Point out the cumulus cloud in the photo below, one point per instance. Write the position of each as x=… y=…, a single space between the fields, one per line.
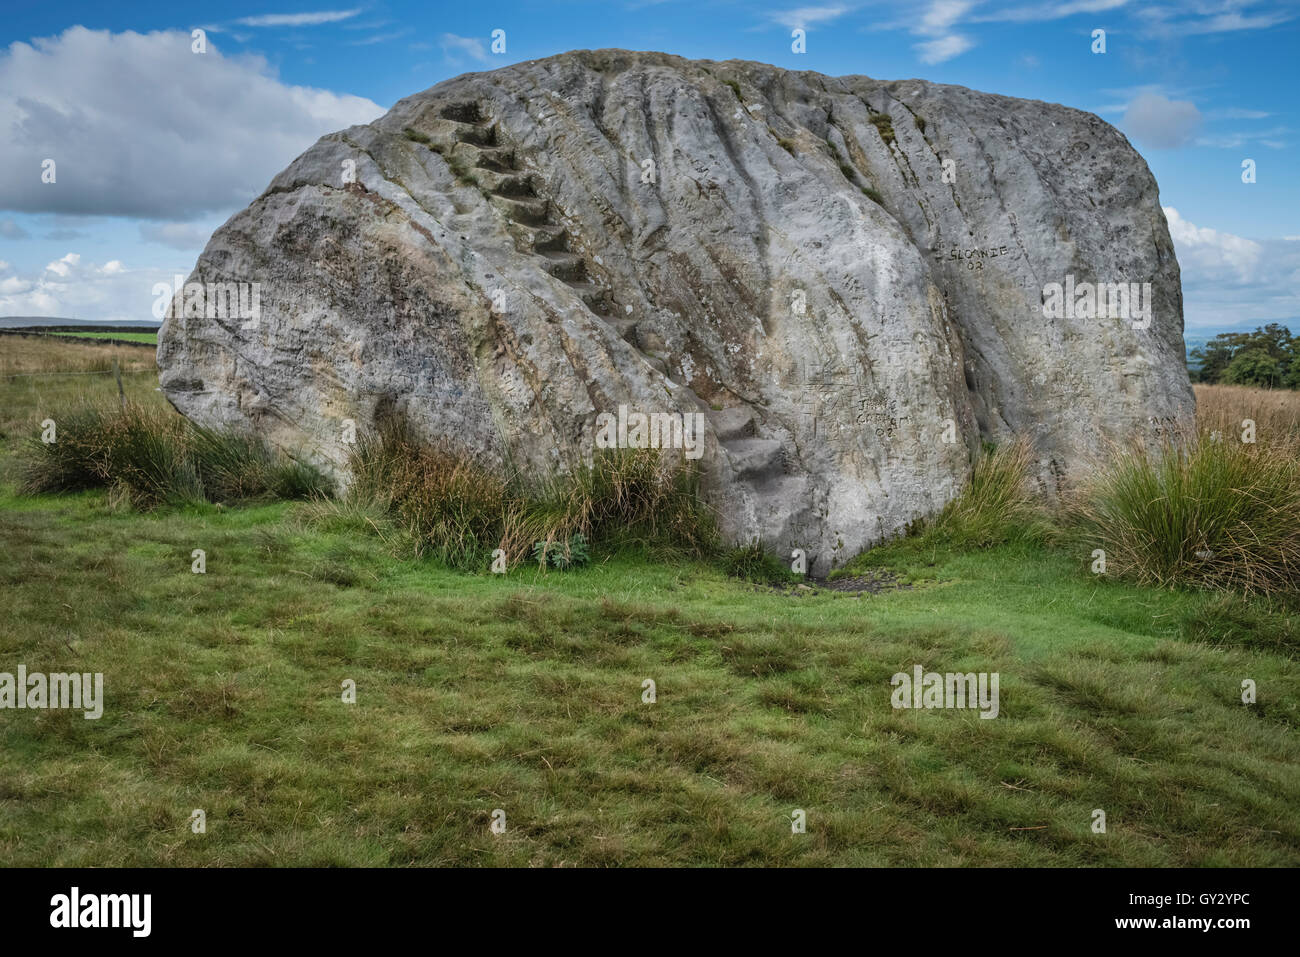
x=1157 y=121
x=209 y=136
x=1212 y=254
x=63 y=267
x=73 y=287
x=1231 y=280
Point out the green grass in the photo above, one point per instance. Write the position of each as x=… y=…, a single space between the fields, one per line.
x=147 y=337
x=524 y=692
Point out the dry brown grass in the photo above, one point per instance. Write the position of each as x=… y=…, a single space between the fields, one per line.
x=1276 y=412
x=28 y=353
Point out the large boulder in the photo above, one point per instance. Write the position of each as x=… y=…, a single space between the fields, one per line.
x=849 y=281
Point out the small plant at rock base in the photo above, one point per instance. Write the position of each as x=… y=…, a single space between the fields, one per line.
x=562 y=555
x=753 y=563
x=416 y=136
x=872 y=195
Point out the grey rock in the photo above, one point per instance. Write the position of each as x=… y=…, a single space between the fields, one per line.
x=844 y=276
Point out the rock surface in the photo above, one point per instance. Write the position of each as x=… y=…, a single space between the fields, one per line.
x=844 y=276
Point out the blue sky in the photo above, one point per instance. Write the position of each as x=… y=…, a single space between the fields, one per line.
x=155 y=145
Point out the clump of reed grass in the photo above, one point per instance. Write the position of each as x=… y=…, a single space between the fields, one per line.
x=1205 y=511
x=459 y=510
x=154 y=457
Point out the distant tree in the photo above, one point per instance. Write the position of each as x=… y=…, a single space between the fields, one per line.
x=1253 y=367
x=1292 y=378
x=1269 y=357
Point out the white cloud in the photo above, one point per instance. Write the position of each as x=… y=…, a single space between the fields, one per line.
x=1157 y=121
x=209 y=137
x=1051 y=11
x=1232 y=141
x=298 y=19
x=1231 y=280
x=1212 y=254
x=1207 y=17
x=63 y=267
x=801 y=18
x=944 y=48
x=936 y=22
x=941 y=15
x=452 y=44
x=1232 y=22
x=381 y=38
x=77 y=289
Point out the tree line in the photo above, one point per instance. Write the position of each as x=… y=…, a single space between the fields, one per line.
x=1267 y=358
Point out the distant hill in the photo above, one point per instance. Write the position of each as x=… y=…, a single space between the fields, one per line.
x=57 y=322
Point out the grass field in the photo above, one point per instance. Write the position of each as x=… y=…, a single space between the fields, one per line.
x=524 y=693
x=149 y=338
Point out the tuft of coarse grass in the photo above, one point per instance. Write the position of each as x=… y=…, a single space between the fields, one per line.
x=884 y=125
x=453 y=508
x=997 y=506
x=872 y=195
x=459 y=510
x=754 y=563
x=153 y=457
x=1209 y=512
